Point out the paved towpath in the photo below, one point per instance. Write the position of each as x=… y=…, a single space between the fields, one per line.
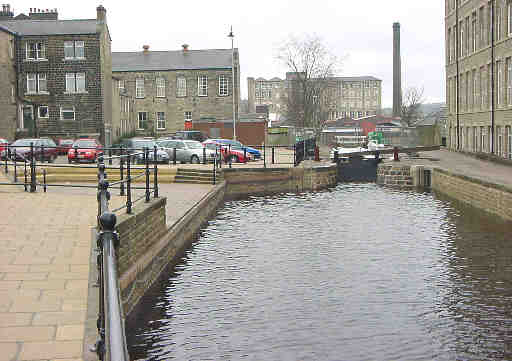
x=44 y=266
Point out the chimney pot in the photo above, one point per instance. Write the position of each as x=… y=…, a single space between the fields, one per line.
x=146 y=48
x=185 y=47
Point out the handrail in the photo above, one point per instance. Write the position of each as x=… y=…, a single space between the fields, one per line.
x=112 y=343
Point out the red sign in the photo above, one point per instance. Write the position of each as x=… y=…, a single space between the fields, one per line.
x=188 y=125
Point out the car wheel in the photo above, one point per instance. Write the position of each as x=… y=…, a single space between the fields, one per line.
x=70 y=161
x=194 y=159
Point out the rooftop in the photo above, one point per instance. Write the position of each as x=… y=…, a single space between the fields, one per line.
x=172 y=60
x=50 y=27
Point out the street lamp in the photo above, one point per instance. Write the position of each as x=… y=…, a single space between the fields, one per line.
x=232 y=36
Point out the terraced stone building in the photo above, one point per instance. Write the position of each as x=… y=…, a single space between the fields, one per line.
x=479 y=76
x=56 y=78
x=171 y=89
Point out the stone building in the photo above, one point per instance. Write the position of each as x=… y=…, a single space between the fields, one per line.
x=8 y=101
x=479 y=76
x=352 y=97
x=123 y=115
x=172 y=89
x=63 y=81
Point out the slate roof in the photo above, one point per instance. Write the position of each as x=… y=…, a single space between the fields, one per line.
x=172 y=60
x=355 y=78
x=50 y=27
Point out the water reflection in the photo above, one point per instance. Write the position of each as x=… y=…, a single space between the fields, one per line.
x=355 y=273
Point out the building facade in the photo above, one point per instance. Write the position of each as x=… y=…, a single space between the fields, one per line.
x=172 y=89
x=479 y=76
x=350 y=97
x=63 y=76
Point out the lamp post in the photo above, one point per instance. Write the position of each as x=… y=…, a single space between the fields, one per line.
x=232 y=36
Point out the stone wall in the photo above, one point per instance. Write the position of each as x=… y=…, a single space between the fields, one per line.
x=396 y=175
x=242 y=182
x=8 y=106
x=490 y=197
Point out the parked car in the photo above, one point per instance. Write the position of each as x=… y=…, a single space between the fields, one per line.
x=256 y=154
x=3 y=148
x=63 y=146
x=136 y=146
x=233 y=154
x=84 y=150
x=44 y=149
x=190 y=135
x=186 y=150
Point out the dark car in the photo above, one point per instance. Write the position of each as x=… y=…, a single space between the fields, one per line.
x=84 y=150
x=63 y=145
x=190 y=135
x=44 y=149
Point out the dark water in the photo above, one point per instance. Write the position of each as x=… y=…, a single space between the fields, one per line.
x=359 y=272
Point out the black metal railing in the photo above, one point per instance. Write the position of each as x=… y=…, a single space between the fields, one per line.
x=111 y=344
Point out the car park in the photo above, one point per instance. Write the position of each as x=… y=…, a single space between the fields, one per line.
x=44 y=149
x=84 y=150
x=255 y=153
x=136 y=146
x=187 y=151
x=229 y=154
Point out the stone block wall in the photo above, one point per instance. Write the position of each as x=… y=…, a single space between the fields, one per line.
x=489 y=197
x=395 y=175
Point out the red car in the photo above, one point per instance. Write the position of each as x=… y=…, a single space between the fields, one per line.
x=3 y=146
x=64 y=145
x=84 y=150
x=236 y=155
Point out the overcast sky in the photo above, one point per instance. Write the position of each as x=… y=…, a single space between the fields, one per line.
x=359 y=31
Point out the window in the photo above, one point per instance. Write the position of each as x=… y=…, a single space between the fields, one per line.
x=475 y=89
x=67 y=113
x=160 y=87
x=473 y=32
x=35 y=51
x=160 y=120
x=509 y=11
x=43 y=111
x=482 y=139
x=75 y=83
x=11 y=49
x=499 y=146
x=36 y=83
x=27 y=116
x=483 y=95
x=202 y=86
x=482 y=26
x=461 y=45
x=142 y=119
x=509 y=80
x=223 y=85
x=74 y=50
x=188 y=116
x=181 y=86
x=509 y=141
x=499 y=16
x=121 y=84
x=13 y=95
x=139 y=88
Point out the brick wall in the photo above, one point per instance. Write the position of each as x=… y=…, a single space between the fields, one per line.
x=248 y=133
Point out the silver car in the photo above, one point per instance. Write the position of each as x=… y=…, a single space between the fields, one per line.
x=186 y=150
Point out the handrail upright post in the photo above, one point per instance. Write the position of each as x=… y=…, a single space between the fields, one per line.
x=155 y=175
x=128 y=187
x=6 y=158
x=146 y=156
x=264 y=156
x=215 y=166
x=32 y=169
x=44 y=180
x=230 y=156
x=15 y=171
x=273 y=159
x=25 y=175
x=121 y=162
x=174 y=156
x=42 y=153
x=204 y=155
x=109 y=156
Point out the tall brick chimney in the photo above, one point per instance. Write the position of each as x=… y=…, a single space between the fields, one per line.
x=6 y=13
x=397 y=72
x=101 y=15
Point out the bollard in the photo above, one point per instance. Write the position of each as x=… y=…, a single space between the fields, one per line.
x=395 y=154
x=204 y=155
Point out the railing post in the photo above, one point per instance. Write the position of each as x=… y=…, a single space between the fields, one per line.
x=155 y=175
x=32 y=169
x=44 y=180
x=15 y=171
x=26 y=176
x=336 y=156
x=221 y=156
x=230 y=156
x=146 y=158
x=272 y=154
x=6 y=159
x=76 y=153
x=204 y=155
x=264 y=156
x=215 y=167
x=128 y=187
x=121 y=163
x=174 y=156
x=245 y=153
x=295 y=154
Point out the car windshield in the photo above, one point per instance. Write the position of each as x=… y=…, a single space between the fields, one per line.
x=85 y=144
x=26 y=142
x=66 y=142
x=139 y=144
x=193 y=145
x=210 y=145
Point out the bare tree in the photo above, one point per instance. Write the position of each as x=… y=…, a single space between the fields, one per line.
x=311 y=67
x=412 y=101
